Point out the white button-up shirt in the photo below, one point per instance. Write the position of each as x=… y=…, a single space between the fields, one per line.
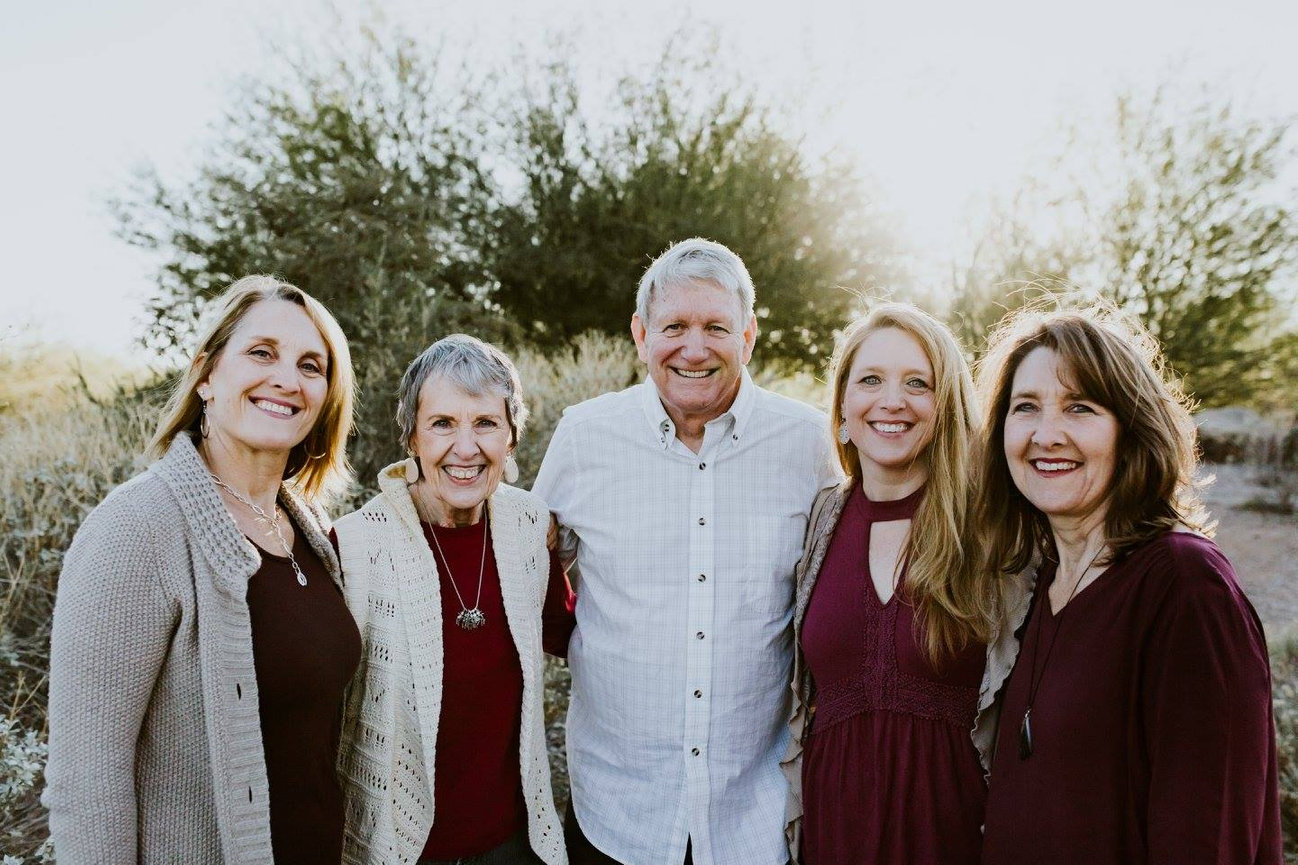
x=683 y=649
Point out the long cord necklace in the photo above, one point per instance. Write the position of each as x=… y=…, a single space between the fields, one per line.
x=468 y=618
x=272 y=521
x=1034 y=677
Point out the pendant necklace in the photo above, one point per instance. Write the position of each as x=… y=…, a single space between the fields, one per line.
x=268 y=519
x=1035 y=678
x=468 y=618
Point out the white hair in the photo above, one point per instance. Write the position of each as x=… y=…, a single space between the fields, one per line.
x=695 y=260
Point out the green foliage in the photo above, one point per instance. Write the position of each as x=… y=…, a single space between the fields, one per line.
x=689 y=153
x=1193 y=246
x=1181 y=227
x=359 y=181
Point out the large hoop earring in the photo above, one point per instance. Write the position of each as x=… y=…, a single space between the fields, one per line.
x=204 y=425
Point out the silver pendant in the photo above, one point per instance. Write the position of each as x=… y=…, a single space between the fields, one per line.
x=471 y=619
x=1025 y=736
x=301 y=578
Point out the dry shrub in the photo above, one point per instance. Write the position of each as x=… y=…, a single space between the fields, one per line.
x=1284 y=695
x=60 y=461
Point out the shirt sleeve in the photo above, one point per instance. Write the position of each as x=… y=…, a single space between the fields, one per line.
x=555 y=484
x=112 y=628
x=558 y=616
x=1208 y=728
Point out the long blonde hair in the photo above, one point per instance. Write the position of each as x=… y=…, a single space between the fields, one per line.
x=953 y=602
x=318 y=465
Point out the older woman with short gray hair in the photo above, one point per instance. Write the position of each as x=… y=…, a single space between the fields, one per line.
x=456 y=596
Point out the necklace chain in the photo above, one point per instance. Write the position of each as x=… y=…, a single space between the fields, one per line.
x=468 y=618
x=271 y=520
x=1034 y=678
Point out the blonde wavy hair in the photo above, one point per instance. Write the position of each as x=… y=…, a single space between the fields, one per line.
x=953 y=602
x=318 y=465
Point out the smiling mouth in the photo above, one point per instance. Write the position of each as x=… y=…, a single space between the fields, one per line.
x=890 y=428
x=1054 y=466
x=275 y=408
x=463 y=473
x=693 y=373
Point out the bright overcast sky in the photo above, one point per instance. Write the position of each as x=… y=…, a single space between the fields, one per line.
x=942 y=104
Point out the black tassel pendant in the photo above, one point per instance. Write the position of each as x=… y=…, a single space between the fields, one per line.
x=1025 y=736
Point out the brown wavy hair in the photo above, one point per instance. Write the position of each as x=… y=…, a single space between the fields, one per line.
x=953 y=602
x=1113 y=362
x=318 y=465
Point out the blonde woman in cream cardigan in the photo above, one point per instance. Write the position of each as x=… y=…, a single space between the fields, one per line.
x=456 y=595
x=201 y=645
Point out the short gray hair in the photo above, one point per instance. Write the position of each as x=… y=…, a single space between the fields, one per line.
x=695 y=260
x=477 y=367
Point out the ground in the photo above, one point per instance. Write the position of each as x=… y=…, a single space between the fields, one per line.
x=1262 y=546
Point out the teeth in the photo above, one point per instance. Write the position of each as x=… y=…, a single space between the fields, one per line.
x=890 y=427
x=274 y=407
x=1055 y=466
x=694 y=373
x=462 y=474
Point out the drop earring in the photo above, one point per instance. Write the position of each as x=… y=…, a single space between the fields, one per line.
x=410 y=468
x=511 y=469
x=843 y=435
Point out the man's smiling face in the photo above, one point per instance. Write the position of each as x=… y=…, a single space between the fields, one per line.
x=696 y=343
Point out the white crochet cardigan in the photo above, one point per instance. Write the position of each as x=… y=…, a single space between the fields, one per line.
x=392 y=709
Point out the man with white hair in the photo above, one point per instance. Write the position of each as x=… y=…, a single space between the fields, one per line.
x=684 y=501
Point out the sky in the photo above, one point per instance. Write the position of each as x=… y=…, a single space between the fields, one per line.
x=943 y=105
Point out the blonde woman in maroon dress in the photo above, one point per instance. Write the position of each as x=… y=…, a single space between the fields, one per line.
x=1136 y=726
x=890 y=627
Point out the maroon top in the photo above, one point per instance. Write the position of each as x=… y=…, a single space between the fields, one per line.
x=477 y=785
x=305 y=647
x=889 y=772
x=1153 y=740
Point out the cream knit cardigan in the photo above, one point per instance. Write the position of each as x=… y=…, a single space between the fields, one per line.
x=390 y=723
x=155 y=734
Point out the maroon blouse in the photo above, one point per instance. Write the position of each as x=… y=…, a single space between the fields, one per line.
x=1153 y=738
x=305 y=648
x=889 y=772
x=477 y=785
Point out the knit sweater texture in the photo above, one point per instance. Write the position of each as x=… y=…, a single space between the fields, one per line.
x=155 y=737
x=390 y=723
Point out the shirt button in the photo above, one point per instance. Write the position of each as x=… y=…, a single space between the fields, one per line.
x=699 y=635
x=703 y=578
x=702 y=521
x=702 y=466
x=698 y=693
x=694 y=751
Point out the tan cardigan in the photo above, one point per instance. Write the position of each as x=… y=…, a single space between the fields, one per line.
x=1001 y=653
x=155 y=736
x=390 y=741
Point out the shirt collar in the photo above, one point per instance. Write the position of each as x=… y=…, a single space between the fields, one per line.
x=736 y=417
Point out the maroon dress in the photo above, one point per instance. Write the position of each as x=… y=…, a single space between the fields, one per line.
x=889 y=772
x=305 y=647
x=1153 y=740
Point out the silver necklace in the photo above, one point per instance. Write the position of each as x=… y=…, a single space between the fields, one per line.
x=272 y=521
x=468 y=618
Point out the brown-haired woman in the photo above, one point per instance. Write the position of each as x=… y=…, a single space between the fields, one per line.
x=1136 y=725
x=889 y=625
x=201 y=643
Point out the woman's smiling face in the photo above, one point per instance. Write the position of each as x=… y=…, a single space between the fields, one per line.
x=267 y=387
x=1061 y=447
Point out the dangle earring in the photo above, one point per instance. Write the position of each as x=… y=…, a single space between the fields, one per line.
x=410 y=468
x=843 y=435
x=204 y=424
x=511 y=469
